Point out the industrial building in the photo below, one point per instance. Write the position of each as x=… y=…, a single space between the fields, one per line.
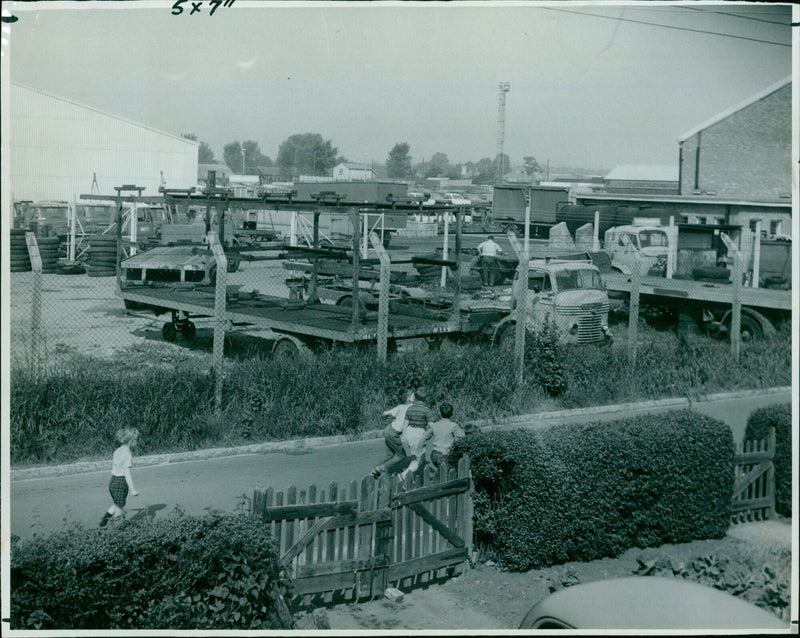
x=733 y=169
x=60 y=149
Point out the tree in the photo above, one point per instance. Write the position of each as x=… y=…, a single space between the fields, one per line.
x=204 y=153
x=254 y=158
x=306 y=153
x=531 y=166
x=438 y=165
x=398 y=164
x=249 y=163
x=505 y=164
x=232 y=155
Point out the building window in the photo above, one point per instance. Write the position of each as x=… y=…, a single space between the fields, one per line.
x=701 y=220
x=775 y=227
x=753 y=224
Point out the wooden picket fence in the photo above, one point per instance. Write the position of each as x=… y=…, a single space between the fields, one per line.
x=754 y=486
x=356 y=541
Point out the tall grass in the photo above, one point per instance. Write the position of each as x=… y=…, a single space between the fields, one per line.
x=72 y=409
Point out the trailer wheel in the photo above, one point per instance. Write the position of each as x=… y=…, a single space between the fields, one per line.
x=188 y=330
x=169 y=332
x=504 y=336
x=751 y=330
x=290 y=350
x=347 y=302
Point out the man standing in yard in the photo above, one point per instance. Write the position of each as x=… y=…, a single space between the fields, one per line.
x=487 y=260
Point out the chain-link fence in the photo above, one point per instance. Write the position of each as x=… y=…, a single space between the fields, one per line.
x=303 y=280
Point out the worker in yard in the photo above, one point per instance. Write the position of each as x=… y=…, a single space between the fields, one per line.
x=393 y=431
x=121 y=481
x=487 y=260
x=444 y=434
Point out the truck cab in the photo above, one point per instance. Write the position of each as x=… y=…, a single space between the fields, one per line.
x=568 y=293
x=648 y=244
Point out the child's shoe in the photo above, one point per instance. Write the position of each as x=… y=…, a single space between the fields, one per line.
x=104 y=520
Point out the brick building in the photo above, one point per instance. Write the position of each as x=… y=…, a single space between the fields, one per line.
x=734 y=169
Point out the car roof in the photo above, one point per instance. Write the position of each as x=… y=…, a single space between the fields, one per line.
x=649 y=602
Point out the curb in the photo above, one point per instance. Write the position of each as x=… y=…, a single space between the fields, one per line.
x=532 y=420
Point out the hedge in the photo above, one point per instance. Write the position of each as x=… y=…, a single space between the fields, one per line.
x=588 y=491
x=758 y=425
x=180 y=572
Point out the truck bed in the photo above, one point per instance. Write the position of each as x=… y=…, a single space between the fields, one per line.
x=701 y=291
x=289 y=316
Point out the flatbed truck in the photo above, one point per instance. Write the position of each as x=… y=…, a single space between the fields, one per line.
x=709 y=305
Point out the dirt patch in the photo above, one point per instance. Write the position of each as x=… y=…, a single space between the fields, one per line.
x=487 y=597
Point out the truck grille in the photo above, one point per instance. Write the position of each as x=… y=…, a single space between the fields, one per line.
x=590 y=328
x=590 y=320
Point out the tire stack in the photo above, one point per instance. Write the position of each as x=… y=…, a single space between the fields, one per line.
x=20 y=261
x=48 y=251
x=102 y=256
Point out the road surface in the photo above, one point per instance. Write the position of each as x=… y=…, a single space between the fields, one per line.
x=44 y=505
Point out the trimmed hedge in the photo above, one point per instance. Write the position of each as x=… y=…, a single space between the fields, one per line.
x=758 y=425
x=588 y=491
x=180 y=572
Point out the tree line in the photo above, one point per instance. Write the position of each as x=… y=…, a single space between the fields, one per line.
x=311 y=154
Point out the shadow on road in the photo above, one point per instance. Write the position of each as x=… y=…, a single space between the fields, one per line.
x=146 y=512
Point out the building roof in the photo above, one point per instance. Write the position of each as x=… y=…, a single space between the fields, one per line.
x=679 y=199
x=358 y=166
x=645 y=173
x=221 y=169
x=738 y=107
x=107 y=114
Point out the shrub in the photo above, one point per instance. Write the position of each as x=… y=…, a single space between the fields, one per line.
x=587 y=491
x=544 y=359
x=758 y=426
x=179 y=572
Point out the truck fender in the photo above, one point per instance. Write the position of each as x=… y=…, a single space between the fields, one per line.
x=500 y=326
x=765 y=324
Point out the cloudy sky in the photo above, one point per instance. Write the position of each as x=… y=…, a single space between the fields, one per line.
x=592 y=85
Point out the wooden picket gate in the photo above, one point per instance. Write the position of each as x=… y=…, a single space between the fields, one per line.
x=754 y=486
x=356 y=541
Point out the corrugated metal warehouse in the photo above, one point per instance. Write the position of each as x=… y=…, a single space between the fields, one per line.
x=57 y=147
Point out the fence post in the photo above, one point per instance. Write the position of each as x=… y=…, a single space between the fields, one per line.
x=522 y=315
x=633 y=314
x=757 y=255
x=596 y=232
x=736 y=302
x=672 y=243
x=445 y=249
x=383 y=295
x=36 y=301
x=220 y=293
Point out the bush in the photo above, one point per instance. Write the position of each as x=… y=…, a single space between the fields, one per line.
x=179 y=572
x=758 y=427
x=588 y=491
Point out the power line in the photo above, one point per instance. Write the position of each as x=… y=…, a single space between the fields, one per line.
x=735 y=15
x=666 y=26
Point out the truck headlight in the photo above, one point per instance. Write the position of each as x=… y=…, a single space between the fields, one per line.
x=573 y=329
x=607 y=332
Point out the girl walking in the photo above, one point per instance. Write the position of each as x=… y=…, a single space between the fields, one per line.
x=121 y=480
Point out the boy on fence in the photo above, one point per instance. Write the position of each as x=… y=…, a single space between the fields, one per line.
x=444 y=433
x=121 y=481
x=392 y=434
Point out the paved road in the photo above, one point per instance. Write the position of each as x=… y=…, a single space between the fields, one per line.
x=42 y=505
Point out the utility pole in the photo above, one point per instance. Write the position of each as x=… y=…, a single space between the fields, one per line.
x=505 y=87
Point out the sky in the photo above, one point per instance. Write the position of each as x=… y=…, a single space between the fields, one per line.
x=592 y=91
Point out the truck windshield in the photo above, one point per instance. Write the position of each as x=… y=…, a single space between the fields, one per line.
x=648 y=238
x=578 y=280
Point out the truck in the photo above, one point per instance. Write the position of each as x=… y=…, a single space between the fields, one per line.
x=647 y=245
x=509 y=204
x=567 y=292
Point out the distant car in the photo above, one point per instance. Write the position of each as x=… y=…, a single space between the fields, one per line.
x=457 y=199
x=645 y=603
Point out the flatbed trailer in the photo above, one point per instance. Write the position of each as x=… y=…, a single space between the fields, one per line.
x=710 y=304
